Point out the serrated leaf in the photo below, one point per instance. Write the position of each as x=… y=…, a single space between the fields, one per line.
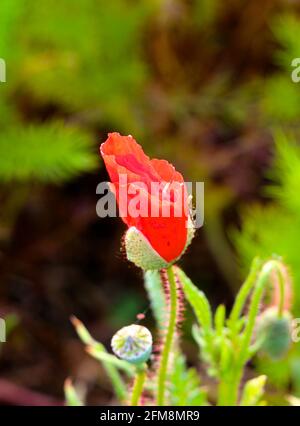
x=197 y=300
x=185 y=386
x=155 y=292
x=46 y=153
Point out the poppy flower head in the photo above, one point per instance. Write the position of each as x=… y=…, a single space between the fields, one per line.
x=133 y=344
x=152 y=200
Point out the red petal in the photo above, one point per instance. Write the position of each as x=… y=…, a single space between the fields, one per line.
x=166 y=171
x=122 y=145
x=167 y=235
x=122 y=155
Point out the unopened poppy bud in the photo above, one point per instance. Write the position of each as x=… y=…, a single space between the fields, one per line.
x=157 y=238
x=140 y=252
x=133 y=344
x=274 y=332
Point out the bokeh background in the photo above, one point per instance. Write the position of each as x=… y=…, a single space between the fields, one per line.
x=205 y=84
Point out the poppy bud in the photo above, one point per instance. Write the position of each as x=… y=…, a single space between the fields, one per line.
x=159 y=230
x=140 y=252
x=133 y=344
x=274 y=333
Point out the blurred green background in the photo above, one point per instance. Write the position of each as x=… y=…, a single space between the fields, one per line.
x=205 y=84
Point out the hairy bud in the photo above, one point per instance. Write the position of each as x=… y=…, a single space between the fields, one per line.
x=274 y=333
x=140 y=252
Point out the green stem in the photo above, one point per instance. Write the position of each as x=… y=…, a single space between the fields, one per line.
x=163 y=367
x=111 y=370
x=281 y=293
x=244 y=292
x=262 y=282
x=229 y=389
x=138 y=386
x=117 y=382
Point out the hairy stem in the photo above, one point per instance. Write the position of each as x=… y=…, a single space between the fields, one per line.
x=168 y=343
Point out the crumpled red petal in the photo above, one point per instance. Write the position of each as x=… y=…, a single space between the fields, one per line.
x=167 y=235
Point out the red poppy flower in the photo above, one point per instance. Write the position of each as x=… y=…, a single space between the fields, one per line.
x=166 y=235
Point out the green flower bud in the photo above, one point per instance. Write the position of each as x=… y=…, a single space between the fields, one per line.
x=274 y=333
x=133 y=344
x=140 y=252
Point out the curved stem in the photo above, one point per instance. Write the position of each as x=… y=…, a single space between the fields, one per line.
x=138 y=386
x=262 y=281
x=281 y=293
x=254 y=306
x=243 y=294
x=163 y=367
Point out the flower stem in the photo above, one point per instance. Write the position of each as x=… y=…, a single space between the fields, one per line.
x=163 y=367
x=281 y=293
x=244 y=293
x=138 y=386
x=262 y=282
x=228 y=390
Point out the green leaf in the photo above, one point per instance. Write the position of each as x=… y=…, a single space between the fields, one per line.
x=220 y=319
x=110 y=362
x=97 y=351
x=253 y=391
x=185 y=386
x=99 y=74
x=226 y=356
x=197 y=300
x=82 y=332
x=155 y=292
x=234 y=322
x=47 y=153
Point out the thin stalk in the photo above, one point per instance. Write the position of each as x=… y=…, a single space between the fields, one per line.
x=117 y=382
x=281 y=293
x=163 y=367
x=262 y=282
x=230 y=395
x=244 y=293
x=111 y=370
x=227 y=389
x=138 y=386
